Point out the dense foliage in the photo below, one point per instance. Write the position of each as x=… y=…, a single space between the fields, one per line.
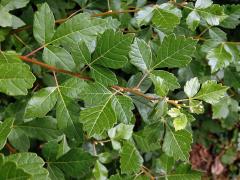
x=119 y=89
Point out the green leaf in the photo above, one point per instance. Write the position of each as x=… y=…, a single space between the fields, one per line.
x=149 y=138
x=55 y=173
x=14 y=4
x=177 y=144
x=163 y=82
x=30 y=163
x=219 y=58
x=16 y=172
x=44 y=129
x=191 y=87
x=19 y=140
x=180 y=54
x=67 y=113
x=97 y=119
x=15 y=78
x=180 y=122
x=87 y=29
x=6 y=18
x=5 y=129
x=211 y=92
x=202 y=4
x=103 y=75
x=165 y=19
x=166 y=163
x=100 y=171
x=112 y=49
x=231 y=77
x=144 y=15
x=196 y=106
x=193 y=20
x=141 y=55
x=43 y=24
x=75 y=162
x=232 y=20
x=58 y=57
x=130 y=159
x=41 y=103
x=123 y=106
x=9 y=57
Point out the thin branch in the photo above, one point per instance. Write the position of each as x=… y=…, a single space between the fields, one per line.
x=147 y=172
x=36 y=50
x=53 y=68
x=11 y=149
x=115 y=12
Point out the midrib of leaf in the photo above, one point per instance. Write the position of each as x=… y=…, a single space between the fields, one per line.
x=207 y=94
x=162 y=16
x=5 y=57
x=169 y=56
x=107 y=52
x=130 y=156
x=177 y=142
x=101 y=111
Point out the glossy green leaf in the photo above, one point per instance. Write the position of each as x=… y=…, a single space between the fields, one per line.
x=58 y=57
x=211 y=92
x=41 y=102
x=43 y=24
x=191 y=87
x=180 y=54
x=144 y=16
x=177 y=144
x=112 y=49
x=130 y=159
x=5 y=129
x=193 y=20
x=180 y=122
x=141 y=55
x=19 y=140
x=202 y=4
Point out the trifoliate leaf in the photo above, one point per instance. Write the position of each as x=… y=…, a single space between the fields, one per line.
x=5 y=129
x=193 y=20
x=211 y=92
x=177 y=144
x=181 y=51
x=165 y=19
x=100 y=171
x=130 y=159
x=43 y=24
x=58 y=57
x=30 y=163
x=112 y=49
x=202 y=4
x=180 y=122
x=87 y=29
x=41 y=102
x=191 y=87
x=144 y=16
x=219 y=58
x=97 y=119
x=141 y=55
x=75 y=162
x=103 y=75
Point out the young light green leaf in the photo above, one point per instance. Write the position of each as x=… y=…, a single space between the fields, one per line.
x=202 y=4
x=211 y=92
x=41 y=103
x=180 y=55
x=103 y=75
x=97 y=119
x=75 y=162
x=144 y=15
x=193 y=20
x=130 y=159
x=141 y=55
x=191 y=87
x=100 y=171
x=180 y=122
x=196 y=106
x=219 y=58
x=58 y=57
x=30 y=163
x=15 y=78
x=112 y=49
x=43 y=24
x=174 y=112
x=165 y=19
x=5 y=129
x=177 y=144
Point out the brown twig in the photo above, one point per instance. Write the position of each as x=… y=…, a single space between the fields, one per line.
x=147 y=172
x=53 y=68
x=11 y=149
